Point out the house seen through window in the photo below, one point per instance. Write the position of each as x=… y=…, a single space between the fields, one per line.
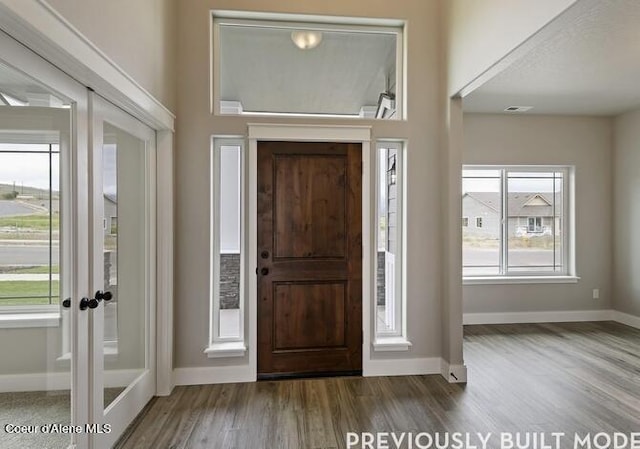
x=520 y=221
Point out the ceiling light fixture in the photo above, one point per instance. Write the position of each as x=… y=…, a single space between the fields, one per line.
x=306 y=40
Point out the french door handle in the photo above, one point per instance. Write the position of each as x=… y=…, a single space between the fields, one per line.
x=86 y=303
x=107 y=296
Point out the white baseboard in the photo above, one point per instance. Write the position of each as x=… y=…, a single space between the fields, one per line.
x=454 y=374
x=214 y=375
x=34 y=382
x=539 y=317
x=625 y=318
x=60 y=381
x=402 y=367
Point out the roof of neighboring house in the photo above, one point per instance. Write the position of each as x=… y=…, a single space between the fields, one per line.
x=111 y=197
x=521 y=204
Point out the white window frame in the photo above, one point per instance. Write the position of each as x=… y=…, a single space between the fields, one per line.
x=396 y=339
x=536 y=229
x=300 y=22
x=43 y=315
x=225 y=346
x=568 y=274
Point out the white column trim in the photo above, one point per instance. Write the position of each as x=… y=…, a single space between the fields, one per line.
x=164 y=279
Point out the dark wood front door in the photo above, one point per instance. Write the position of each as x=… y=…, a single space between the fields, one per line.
x=309 y=258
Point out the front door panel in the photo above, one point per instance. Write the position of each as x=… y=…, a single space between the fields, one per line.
x=309 y=258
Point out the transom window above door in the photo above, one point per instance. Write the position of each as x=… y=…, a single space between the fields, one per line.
x=269 y=67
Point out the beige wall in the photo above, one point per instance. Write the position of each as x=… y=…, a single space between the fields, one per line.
x=626 y=187
x=482 y=32
x=583 y=142
x=195 y=126
x=137 y=35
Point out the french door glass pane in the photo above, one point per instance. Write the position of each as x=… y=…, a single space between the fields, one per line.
x=125 y=248
x=35 y=272
x=29 y=224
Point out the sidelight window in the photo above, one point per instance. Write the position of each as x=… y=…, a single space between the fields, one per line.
x=389 y=305
x=227 y=262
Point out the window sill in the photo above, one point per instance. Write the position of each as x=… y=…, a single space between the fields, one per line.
x=26 y=320
x=389 y=344
x=497 y=280
x=226 y=349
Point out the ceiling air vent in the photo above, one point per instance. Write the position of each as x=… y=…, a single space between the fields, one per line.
x=518 y=108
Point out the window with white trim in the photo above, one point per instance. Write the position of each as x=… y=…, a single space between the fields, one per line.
x=390 y=303
x=534 y=224
x=365 y=79
x=227 y=242
x=29 y=226
x=521 y=226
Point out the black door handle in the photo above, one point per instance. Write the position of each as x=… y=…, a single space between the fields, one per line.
x=107 y=296
x=264 y=271
x=86 y=303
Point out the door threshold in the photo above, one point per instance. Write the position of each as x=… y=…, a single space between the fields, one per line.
x=289 y=376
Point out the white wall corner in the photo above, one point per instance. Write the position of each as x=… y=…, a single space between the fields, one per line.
x=625 y=318
x=454 y=374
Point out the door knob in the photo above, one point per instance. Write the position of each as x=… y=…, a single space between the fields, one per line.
x=264 y=271
x=264 y=254
x=107 y=296
x=66 y=303
x=86 y=303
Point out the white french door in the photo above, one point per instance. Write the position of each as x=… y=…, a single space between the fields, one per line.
x=77 y=259
x=122 y=269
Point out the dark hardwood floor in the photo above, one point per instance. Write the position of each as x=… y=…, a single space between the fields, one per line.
x=579 y=377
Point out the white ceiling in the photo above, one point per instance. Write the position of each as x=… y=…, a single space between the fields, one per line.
x=591 y=67
x=265 y=71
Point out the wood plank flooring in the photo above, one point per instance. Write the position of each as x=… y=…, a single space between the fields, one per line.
x=572 y=377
